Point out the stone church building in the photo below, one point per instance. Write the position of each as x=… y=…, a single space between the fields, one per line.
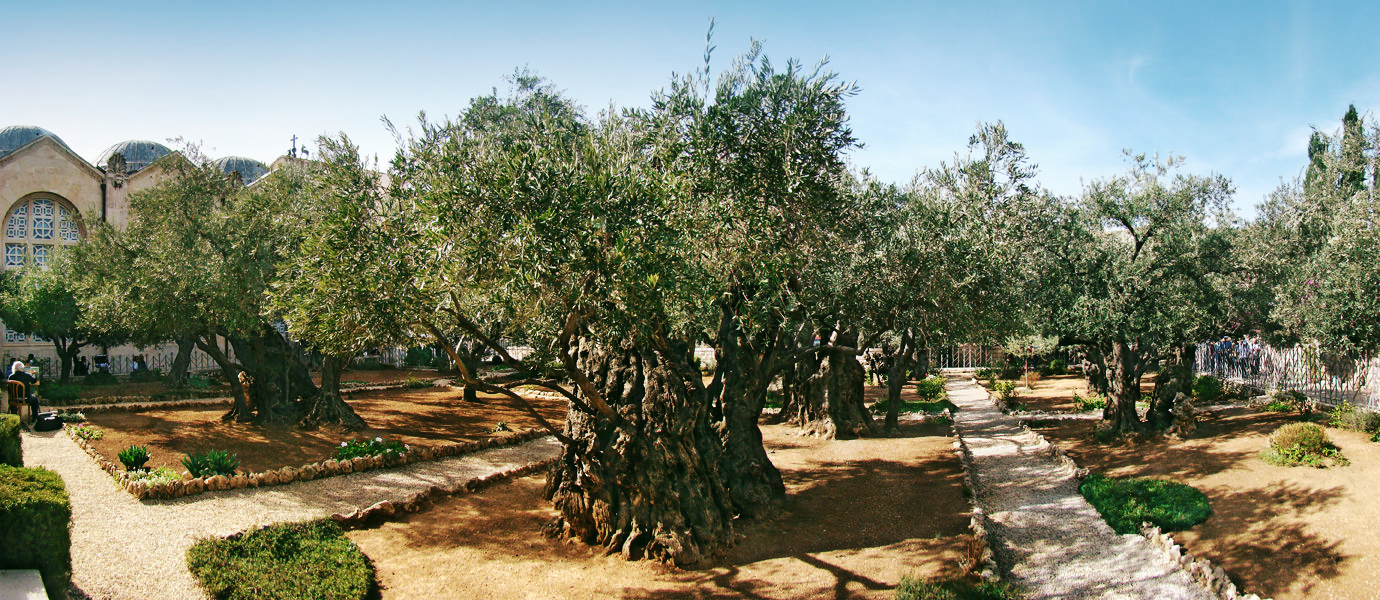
x=50 y=194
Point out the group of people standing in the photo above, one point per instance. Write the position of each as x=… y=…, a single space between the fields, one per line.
x=1236 y=357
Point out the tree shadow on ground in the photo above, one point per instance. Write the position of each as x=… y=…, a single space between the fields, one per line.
x=1256 y=536
x=1149 y=455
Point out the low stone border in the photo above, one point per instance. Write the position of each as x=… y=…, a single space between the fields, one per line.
x=386 y=509
x=147 y=405
x=1213 y=578
x=987 y=566
x=1041 y=415
x=191 y=486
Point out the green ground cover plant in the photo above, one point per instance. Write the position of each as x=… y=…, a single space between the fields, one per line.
x=375 y=447
x=87 y=432
x=1207 y=389
x=35 y=516
x=155 y=476
x=1125 y=503
x=288 y=561
x=1086 y=403
x=916 y=406
x=953 y=589
x=134 y=457
x=1303 y=444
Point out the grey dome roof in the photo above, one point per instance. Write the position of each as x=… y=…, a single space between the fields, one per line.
x=17 y=136
x=137 y=153
x=248 y=168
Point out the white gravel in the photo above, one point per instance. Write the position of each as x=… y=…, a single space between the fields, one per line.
x=127 y=549
x=1050 y=541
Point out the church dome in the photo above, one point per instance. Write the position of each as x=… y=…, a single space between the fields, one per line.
x=137 y=154
x=248 y=168
x=17 y=136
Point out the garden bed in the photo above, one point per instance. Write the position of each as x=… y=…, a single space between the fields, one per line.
x=861 y=514
x=1282 y=532
x=421 y=418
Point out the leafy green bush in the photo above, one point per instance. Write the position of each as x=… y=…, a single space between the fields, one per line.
x=413 y=383
x=134 y=457
x=146 y=375
x=1291 y=400
x=100 y=378
x=375 y=447
x=35 y=521
x=987 y=373
x=56 y=393
x=213 y=462
x=1352 y=418
x=87 y=432
x=1086 y=403
x=1059 y=366
x=198 y=382
x=1207 y=389
x=954 y=589
x=775 y=400
x=1126 y=503
x=1005 y=389
x=931 y=388
x=1277 y=406
x=75 y=416
x=11 y=449
x=1299 y=444
x=289 y=561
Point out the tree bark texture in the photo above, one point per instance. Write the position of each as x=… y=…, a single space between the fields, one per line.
x=806 y=403
x=327 y=407
x=1175 y=377
x=1123 y=387
x=1095 y=367
x=177 y=372
x=647 y=485
x=754 y=483
x=229 y=371
x=846 y=404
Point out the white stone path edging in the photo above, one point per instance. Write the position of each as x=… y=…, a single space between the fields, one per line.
x=1051 y=542
x=124 y=548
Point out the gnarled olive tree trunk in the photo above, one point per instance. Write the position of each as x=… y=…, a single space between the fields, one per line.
x=177 y=372
x=828 y=400
x=740 y=393
x=648 y=484
x=278 y=378
x=1175 y=377
x=1123 y=366
x=327 y=407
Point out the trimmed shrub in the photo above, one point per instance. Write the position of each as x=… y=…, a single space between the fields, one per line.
x=375 y=447
x=954 y=589
x=56 y=393
x=134 y=457
x=1299 y=444
x=11 y=450
x=1126 y=503
x=309 y=560
x=1207 y=389
x=214 y=462
x=35 y=521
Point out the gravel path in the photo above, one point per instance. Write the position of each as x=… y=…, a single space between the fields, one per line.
x=127 y=549
x=1049 y=539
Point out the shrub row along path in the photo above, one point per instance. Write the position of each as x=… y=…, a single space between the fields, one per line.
x=1045 y=535
x=123 y=548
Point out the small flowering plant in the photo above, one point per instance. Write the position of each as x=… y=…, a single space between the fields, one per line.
x=87 y=432
x=367 y=447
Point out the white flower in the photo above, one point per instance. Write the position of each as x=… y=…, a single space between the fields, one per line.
x=343 y=444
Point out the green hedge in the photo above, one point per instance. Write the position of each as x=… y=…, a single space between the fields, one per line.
x=11 y=451
x=35 y=521
x=307 y=560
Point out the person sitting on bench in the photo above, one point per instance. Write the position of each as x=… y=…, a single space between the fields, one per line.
x=29 y=381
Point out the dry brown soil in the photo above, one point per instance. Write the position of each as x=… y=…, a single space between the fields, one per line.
x=1282 y=532
x=861 y=513
x=420 y=417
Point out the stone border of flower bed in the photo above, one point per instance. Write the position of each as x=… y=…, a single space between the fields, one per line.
x=1213 y=579
x=147 y=404
x=380 y=511
x=285 y=475
x=988 y=568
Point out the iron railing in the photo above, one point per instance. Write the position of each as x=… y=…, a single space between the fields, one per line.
x=1329 y=377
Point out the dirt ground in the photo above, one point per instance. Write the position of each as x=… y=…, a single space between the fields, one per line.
x=420 y=417
x=1054 y=393
x=1281 y=532
x=861 y=514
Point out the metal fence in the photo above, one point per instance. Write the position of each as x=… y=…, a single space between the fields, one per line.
x=122 y=361
x=1328 y=377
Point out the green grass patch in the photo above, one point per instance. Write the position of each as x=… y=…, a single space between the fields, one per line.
x=953 y=589
x=1126 y=503
x=289 y=561
x=917 y=406
x=1087 y=403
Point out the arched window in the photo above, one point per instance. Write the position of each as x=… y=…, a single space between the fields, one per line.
x=36 y=224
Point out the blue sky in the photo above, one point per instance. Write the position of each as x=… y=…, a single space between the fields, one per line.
x=1232 y=86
